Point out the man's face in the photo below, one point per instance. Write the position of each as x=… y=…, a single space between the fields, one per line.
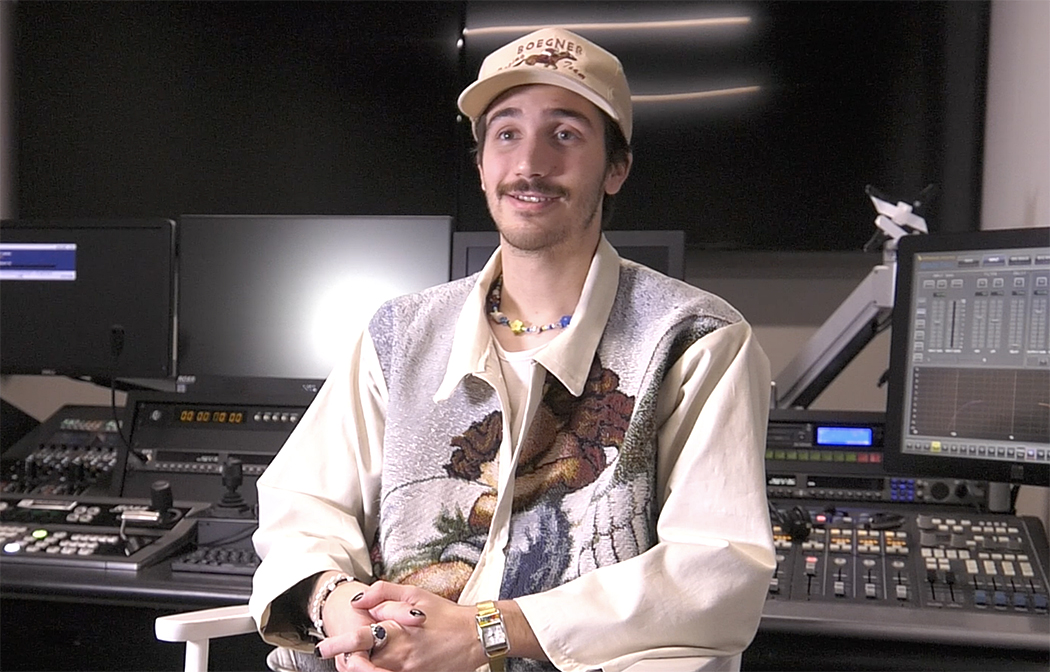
x=543 y=168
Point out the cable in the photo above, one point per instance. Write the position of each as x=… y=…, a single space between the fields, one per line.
x=229 y=539
x=122 y=532
x=116 y=347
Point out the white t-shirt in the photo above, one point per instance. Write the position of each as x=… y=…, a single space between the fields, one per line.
x=518 y=369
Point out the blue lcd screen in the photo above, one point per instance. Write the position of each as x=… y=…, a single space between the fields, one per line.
x=844 y=436
x=38 y=261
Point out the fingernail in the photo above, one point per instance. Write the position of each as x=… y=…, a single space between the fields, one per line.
x=317 y=651
x=416 y=612
x=357 y=597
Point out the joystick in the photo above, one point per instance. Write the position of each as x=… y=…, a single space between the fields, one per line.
x=161 y=500
x=161 y=509
x=232 y=478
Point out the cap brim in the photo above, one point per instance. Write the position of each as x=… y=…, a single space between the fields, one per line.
x=476 y=98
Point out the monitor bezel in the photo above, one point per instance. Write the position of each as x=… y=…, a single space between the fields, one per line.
x=895 y=460
x=91 y=372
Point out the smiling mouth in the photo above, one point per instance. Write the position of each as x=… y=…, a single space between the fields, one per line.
x=533 y=198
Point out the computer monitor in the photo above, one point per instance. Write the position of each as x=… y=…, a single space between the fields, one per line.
x=268 y=299
x=969 y=377
x=663 y=251
x=88 y=298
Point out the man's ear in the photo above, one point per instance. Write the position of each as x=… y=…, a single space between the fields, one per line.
x=617 y=175
x=481 y=177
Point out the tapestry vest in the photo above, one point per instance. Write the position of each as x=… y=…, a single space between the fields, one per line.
x=584 y=490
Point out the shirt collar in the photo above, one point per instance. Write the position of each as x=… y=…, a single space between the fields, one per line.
x=567 y=357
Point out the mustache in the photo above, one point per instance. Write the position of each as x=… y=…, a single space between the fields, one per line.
x=537 y=186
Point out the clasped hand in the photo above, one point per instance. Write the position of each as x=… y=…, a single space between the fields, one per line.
x=423 y=632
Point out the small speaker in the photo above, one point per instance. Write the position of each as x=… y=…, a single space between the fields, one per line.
x=953 y=491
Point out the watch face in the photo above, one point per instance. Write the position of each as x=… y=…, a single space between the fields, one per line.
x=493 y=637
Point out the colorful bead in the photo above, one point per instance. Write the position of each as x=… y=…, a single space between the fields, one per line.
x=517 y=327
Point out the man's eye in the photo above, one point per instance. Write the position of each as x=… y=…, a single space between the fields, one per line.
x=505 y=135
x=566 y=135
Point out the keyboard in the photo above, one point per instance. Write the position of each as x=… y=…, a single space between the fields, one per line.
x=218 y=560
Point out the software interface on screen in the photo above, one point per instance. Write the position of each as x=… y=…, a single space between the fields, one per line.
x=91 y=298
x=977 y=380
x=38 y=261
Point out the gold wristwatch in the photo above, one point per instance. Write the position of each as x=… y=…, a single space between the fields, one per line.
x=493 y=635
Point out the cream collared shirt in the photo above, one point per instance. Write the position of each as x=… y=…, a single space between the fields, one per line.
x=698 y=592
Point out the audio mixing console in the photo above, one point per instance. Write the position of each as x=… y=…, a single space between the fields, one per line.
x=77 y=451
x=955 y=575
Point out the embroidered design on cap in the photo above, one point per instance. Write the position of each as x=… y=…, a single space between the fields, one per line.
x=557 y=54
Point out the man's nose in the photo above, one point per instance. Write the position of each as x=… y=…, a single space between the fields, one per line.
x=536 y=158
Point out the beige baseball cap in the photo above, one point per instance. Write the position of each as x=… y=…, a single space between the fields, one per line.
x=552 y=56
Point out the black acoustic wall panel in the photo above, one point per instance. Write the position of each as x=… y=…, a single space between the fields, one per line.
x=758 y=124
x=162 y=108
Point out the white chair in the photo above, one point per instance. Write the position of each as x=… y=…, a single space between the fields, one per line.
x=198 y=628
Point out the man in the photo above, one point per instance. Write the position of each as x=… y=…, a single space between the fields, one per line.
x=555 y=464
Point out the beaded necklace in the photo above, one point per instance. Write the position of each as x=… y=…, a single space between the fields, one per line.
x=517 y=326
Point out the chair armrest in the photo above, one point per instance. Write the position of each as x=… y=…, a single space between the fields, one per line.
x=198 y=628
x=205 y=624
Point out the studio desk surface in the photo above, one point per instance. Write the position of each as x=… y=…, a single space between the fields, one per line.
x=156 y=586
x=850 y=586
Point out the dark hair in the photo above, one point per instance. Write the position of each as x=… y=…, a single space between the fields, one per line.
x=617 y=151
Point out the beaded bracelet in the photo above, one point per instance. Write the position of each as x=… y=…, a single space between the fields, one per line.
x=321 y=596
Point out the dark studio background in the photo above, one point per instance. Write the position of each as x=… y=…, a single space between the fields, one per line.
x=169 y=108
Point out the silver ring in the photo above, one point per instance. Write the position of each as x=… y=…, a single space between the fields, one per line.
x=378 y=635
